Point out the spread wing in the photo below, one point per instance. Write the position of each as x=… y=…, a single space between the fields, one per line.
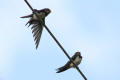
x=37 y=29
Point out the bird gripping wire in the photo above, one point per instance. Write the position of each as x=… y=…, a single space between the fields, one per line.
x=56 y=41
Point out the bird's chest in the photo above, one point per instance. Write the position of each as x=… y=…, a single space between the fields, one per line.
x=40 y=15
x=76 y=61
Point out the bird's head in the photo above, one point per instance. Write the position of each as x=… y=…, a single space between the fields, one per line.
x=78 y=53
x=46 y=10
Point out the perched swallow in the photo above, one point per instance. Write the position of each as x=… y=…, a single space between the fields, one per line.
x=37 y=27
x=76 y=59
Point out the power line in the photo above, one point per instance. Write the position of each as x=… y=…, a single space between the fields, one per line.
x=56 y=41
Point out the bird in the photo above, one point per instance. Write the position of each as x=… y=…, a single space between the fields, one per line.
x=76 y=59
x=37 y=23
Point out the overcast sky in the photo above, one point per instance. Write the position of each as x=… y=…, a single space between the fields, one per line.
x=89 y=26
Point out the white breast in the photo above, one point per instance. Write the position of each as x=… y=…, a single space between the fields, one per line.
x=41 y=15
x=76 y=61
x=34 y=17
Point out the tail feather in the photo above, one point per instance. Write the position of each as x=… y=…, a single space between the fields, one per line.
x=27 y=16
x=29 y=22
x=61 y=69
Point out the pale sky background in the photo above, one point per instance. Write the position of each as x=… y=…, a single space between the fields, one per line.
x=89 y=26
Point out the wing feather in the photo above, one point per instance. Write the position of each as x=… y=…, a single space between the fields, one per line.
x=37 y=31
x=34 y=26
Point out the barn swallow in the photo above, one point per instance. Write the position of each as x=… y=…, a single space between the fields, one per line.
x=76 y=59
x=37 y=23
